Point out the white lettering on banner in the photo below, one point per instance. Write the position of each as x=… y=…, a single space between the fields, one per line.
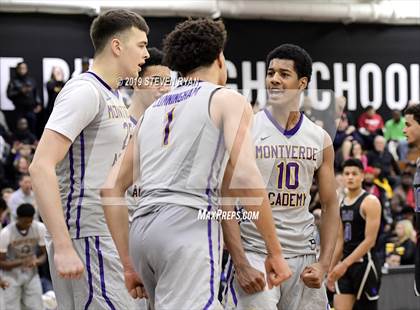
x=370 y=70
x=6 y=63
x=47 y=66
x=232 y=73
x=313 y=92
x=391 y=72
x=414 y=85
x=348 y=85
x=259 y=84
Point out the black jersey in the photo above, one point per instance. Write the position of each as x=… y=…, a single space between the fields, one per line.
x=353 y=225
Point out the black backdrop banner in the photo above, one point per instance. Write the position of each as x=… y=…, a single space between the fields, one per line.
x=369 y=64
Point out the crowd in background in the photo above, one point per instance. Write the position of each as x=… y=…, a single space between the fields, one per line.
x=380 y=144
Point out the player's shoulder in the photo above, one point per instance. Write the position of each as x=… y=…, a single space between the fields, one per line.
x=39 y=226
x=370 y=200
x=5 y=231
x=309 y=127
x=229 y=99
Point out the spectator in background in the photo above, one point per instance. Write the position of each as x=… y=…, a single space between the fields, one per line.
x=381 y=157
x=370 y=124
x=356 y=152
x=20 y=242
x=404 y=231
x=85 y=64
x=394 y=135
x=23 y=134
x=22 y=91
x=370 y=186
x=54 y=86
x=23 y=195
x=405 y=189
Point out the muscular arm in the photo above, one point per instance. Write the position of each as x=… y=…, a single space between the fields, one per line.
x=371 y=210
x=330 y=212
x=9 y=264
x=51 y=150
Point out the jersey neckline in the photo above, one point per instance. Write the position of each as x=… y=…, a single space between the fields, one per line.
x=105 y=84
x=288 y=133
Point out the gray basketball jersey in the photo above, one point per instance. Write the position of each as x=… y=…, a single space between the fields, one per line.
x=182 y=153
x=97 y=122
x=287 y=160
x=18 y=244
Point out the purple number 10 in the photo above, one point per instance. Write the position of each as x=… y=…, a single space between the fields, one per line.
x=291 y=168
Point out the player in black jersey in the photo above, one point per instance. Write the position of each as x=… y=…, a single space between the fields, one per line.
x=412 y=132
x=354 y=273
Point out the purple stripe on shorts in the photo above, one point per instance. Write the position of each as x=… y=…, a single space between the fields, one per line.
x=208 y=193
x=232 y=290
x=230 y=265
x=70 y=195
x=102 y=273
x=82 y=182
x=87 y=252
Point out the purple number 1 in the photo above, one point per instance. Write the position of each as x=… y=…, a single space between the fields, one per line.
x=169 y=117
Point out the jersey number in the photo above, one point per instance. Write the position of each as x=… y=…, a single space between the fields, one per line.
x=347 y=232
x=290 y=172
x=169 y=120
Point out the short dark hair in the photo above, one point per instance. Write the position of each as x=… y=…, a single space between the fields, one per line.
x=25 y=210
x=155 y=59
x=415 y=111
x=20 y=178
x=302 y=60
x=353 y=162
x=194 y=43
x=112 y=22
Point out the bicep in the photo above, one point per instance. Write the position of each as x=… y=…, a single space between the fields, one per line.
x=372 y=212
x=325 y=177
x=52 y=148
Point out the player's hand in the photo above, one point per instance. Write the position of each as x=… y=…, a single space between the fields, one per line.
x=4 y=284
x=134 y=284
x=313 y=275
x=277 y=270
x=68 y=263
x=30 y=262
x=338 y=271
x=250 y=279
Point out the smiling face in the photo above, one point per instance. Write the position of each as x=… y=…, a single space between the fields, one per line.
x=282 y=81
x=131 y=49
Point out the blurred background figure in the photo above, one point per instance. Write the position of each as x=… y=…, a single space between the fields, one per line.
x=370 y=125
x=85 y=64
x=22 y=91
x=394 y=135
x=54 y=86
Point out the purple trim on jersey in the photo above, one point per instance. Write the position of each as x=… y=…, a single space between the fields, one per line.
x=232 y=290
x=133 y=120
x=287 y=133
x=167 y=128
x=102 y=273
x=82 y=182
x=209 y=207
x=230 y=265
x=87 y=253
x=105 y=84
x=70 y=195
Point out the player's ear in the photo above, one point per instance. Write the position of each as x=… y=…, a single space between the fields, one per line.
x=220 y=60
x=116 y=46
x=303 y=82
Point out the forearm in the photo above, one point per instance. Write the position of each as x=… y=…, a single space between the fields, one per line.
x=337 y=255
x=10 y=264
x=329 y=228
x=359 y=252
x=232 y=239
x=45 y=186
x=116 y=215
x=41 y=259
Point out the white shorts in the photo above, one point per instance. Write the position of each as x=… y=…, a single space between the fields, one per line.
x=102 y=286
x=292 y=294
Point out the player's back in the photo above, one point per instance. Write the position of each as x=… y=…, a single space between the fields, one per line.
x=97 y=122
x=287 y=160
x=181 y=151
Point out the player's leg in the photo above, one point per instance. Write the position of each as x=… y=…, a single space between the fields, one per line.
x=32 y=293
x=266 y=299
x=63 y=289
x=369 y=286
x=344 y=301
x=12 y=295
x=102 y=285
x=296 y=295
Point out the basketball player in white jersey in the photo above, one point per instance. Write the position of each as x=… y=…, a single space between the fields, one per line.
x=19 y=244
x=290 y=150
x=179 y=154
x=412 y=132
x=86 y=132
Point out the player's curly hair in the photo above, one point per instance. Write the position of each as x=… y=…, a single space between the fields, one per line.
x=194 y=43
x=301 y=58
x=415 y=111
